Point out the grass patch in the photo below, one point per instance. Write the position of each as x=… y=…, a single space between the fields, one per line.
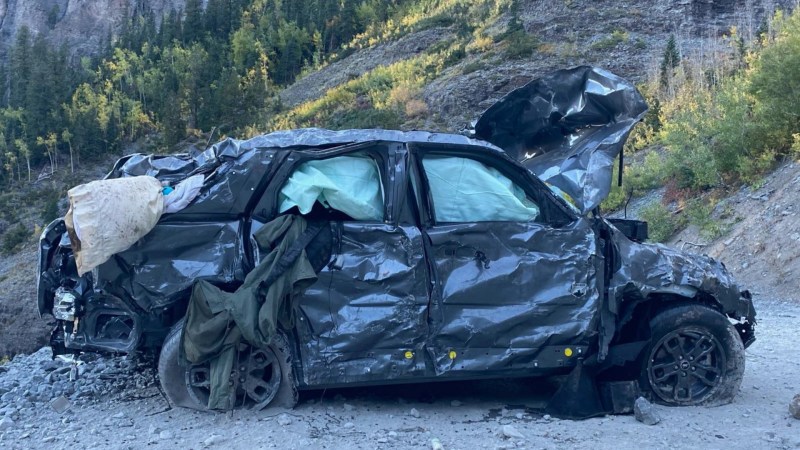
x=616 y=37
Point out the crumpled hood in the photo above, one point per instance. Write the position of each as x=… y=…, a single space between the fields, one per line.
x=567 y=127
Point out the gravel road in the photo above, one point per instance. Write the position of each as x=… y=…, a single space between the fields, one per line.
x=114 y=404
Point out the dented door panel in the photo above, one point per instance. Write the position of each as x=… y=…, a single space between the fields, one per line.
x=365 y=318
x=506 y=291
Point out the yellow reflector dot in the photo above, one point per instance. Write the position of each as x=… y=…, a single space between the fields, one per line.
x=568 y=352
x=452 y=354
x=409 y=354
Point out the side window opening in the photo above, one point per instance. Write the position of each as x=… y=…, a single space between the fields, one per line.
x=466 y=190
x=338 y=188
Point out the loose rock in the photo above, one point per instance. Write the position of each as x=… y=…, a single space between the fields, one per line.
x=509 y=432
x=6 y=423
x=414 y=413
x=794 y=407
x=284 y=420
x=436 y=444
x=214 y=439
x=645 y=412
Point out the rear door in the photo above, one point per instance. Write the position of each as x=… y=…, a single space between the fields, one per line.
x=514 y=278
x=365 y=318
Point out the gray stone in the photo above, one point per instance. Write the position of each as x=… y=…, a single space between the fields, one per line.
x=455 y=403
x=509 y=432
x=284 y=420
x=794 y=407
x=414 y=413
x=645 y=412
x=164 y=435
x=436 y=444
x=6 y=423
x=214 y=439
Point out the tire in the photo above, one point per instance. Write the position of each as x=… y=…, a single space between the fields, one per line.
x=175 y=375
x=695 y=357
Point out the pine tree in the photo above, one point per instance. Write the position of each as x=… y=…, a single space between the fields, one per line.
x=20 y=68
x=193 y=24
x=669 y=62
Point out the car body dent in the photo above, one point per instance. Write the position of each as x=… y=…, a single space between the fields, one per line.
x=654 y=271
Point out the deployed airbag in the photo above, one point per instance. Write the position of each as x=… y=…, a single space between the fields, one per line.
x=108 y=216
x=465 y=190
x=348 y=184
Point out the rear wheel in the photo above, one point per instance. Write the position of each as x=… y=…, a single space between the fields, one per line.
x=695 y=358
x=260 y=377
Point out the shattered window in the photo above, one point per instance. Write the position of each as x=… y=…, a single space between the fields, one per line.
x=348 y=184
x=465 y=190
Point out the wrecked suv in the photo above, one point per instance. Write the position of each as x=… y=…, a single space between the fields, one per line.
x=408 y=257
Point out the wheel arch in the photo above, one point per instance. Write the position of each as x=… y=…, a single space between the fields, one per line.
x=637 y=310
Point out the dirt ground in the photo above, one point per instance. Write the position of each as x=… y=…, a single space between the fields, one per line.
x=762 y=249
x=456 y=415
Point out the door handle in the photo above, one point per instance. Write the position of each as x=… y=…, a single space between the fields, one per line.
x=579 y=289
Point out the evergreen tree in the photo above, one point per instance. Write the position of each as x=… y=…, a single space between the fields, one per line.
x=20 y=68
x=669 y=62
x=193 y=25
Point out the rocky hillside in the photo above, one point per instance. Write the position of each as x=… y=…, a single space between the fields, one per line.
x=83 y=26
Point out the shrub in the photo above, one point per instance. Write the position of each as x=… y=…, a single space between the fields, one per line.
x=14 y=238
x=50 y=209
x=661 y=222
x=520 y=44
x=700 y=213
x=616 y=37
x=473 y=66
x=416 y=108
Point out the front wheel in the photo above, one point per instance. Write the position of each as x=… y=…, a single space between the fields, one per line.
x=261 y=377
x=695 y=358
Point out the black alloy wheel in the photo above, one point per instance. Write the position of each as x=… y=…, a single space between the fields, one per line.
x=686 y=365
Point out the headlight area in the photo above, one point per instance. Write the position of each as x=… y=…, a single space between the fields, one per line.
x=109 y=326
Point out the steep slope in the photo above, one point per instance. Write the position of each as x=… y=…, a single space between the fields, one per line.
x=83 y=26
x=762 y=248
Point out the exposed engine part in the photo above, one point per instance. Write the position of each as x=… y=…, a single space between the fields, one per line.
x=64 y=304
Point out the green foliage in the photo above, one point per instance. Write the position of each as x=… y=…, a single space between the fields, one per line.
x=637 y=179
x=661 y=222
x=217 y=64
x=670 y=60
x=700 y=213
x=14 y=238
x=50 y=209
x=473 y=66
x=520 y=44
x=618 y=36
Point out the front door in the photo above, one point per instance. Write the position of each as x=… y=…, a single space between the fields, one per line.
x=514 y=279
